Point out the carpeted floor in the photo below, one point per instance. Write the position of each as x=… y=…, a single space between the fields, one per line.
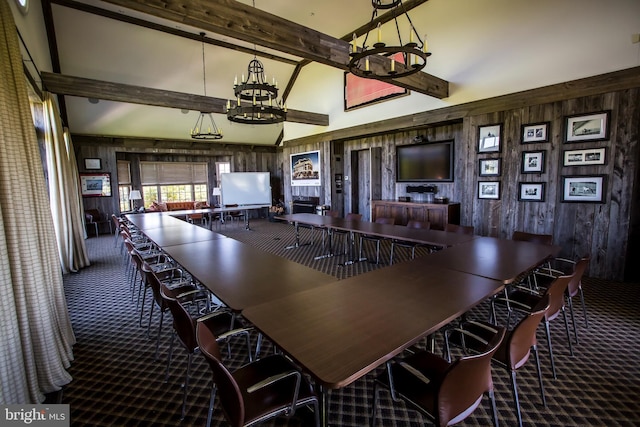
x=117 y=382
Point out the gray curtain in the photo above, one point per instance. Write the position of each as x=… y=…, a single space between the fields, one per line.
x=64 y=191
x=36 y=337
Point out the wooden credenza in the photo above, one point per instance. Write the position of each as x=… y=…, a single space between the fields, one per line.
x=438 y=214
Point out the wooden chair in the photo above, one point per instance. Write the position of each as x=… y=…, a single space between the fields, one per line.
x=525 y=301
x=445 y=392
x=376 y=239
x=184 y=328
x=233 y=215
x=461 y=229
x=94 y=218
x=514 y=351
x=414 y=223
x=266 y=388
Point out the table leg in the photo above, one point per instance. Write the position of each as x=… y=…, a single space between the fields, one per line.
x=297 y=231
x=246 y=220
x=329 y=252
x=324 y=405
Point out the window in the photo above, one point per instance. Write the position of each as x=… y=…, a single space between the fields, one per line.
x=173 y=182
x=124 y=185
x=221 y=167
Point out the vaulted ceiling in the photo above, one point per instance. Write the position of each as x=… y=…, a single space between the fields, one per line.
x=142 y=59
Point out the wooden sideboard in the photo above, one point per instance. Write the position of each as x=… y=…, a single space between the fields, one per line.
x=438 y=214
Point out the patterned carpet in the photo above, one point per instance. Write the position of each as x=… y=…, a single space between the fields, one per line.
x=117 y=382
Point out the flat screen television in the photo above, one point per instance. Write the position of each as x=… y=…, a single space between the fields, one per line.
x=428 y=162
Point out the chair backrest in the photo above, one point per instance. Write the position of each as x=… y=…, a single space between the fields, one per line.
x=543 y=239
x=385 y=220
x=353 y=217
x=333 y=214
x=228 y=391
x=183 y=324
x=523 y=336
x=578 y=271
x=414 y=223
x=460 y=229
x=465 y=382
x=556 y=291
x=95 y=213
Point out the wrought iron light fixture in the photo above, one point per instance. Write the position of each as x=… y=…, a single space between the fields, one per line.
x=261 y=105
x=379 y=61
x=205 y=127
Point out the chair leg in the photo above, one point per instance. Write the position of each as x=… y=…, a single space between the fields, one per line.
x=516 y=400
x=534 y=349
x=573 y=319
x=212 y=399
x=158 y=336
x=566 y=327
x=186 y=387
x=393 y=245
x=169 y=357
x=553 y=365
x=494 y=409
x=584 y=308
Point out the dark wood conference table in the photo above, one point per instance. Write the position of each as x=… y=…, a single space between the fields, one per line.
x=437 y=238
x=341 y=331
x=211 y=211
x=146 y=221
x=499 y=259
x=178 y=235
x=241 y=275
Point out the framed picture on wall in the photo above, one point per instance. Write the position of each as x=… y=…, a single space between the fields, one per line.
x=538 y=132
x=531 y=191
x=490 y=167
x=589 y=127
x=581 y=189
x=305 y=169
x=589 y=156
x=489 y=138
x=92 y=164
x=488 y=189
x=532 y=162
x=95 y=184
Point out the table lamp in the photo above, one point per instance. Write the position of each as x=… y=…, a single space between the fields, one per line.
x=216 y=192
x=133 y=196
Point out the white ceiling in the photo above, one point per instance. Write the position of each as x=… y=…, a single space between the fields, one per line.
x=484 y=48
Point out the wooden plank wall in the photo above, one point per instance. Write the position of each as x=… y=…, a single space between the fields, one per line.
x=601 y=230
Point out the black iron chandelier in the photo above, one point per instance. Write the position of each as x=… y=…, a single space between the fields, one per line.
x=205 y=127
x=256 y=99
x=379 y=61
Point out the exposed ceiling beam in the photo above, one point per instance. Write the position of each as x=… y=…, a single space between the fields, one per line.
x=168 y=30
x=237 y=20
x=89 y=88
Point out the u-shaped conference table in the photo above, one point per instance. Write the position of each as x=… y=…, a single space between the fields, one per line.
x=340 y=330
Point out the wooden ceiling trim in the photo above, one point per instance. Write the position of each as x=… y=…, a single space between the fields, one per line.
x=90 y=88
x=243 y=22
x=168 y=30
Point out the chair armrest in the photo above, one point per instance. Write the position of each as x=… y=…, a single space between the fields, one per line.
x=468 y=334
x=275 y=378
x=208 y=315
x=233 y=333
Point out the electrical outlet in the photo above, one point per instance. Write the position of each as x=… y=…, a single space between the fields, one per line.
x=635 y=38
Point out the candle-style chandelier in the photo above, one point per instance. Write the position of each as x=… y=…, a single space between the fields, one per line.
x=379 y=61
x=205 y=127
x=256 y=99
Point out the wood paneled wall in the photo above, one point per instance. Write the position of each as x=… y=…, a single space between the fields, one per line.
x=601 y=230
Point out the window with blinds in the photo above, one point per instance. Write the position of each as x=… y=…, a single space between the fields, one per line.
x=173 y=182
x=124 y=185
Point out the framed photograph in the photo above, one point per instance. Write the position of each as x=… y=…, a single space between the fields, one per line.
x=531 y=191
x=588 y=188
x=589 y=156
x=532 y=162
x=490 y=167
x=591 y=127
x=489 y=138
x=92 y=164
x=538 y=132
x=488 y=189
x=305 y=169
x=95 y=184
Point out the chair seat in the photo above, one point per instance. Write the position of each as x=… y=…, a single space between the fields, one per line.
x=274 y=398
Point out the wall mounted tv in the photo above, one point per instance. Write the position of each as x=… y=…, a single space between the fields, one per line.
x=428 y=162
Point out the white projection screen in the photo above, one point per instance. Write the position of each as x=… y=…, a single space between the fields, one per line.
x=245 y=188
